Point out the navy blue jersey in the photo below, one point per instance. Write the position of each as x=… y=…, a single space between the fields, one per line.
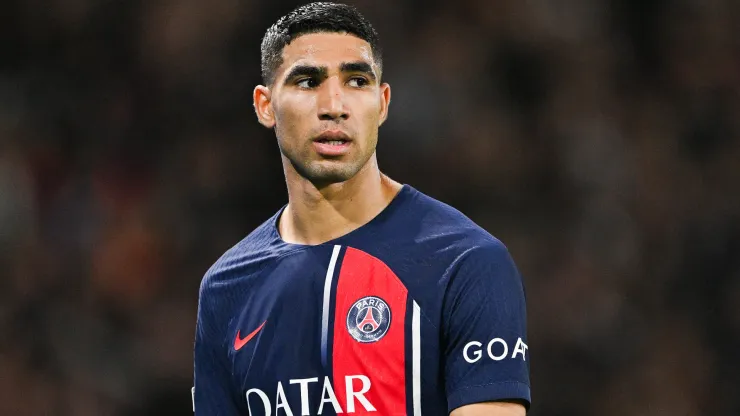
x=417 y=312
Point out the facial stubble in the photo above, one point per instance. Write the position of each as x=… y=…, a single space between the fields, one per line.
x=322 y=170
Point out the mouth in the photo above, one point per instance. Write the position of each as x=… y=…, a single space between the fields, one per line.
x=332 y=143
x=333 y=138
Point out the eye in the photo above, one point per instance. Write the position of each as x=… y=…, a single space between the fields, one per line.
x=307 y=83
x=358 y=82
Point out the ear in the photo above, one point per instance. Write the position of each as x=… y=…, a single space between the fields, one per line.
x=263 y=106
x=385 y=101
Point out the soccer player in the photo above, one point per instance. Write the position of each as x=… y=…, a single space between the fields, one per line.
x=361 y=295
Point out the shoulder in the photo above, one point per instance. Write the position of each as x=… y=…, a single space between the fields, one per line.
x=245 y=259
x=470 y=256
x=437 y=220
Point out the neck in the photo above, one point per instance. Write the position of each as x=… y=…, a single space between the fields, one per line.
x=315 y=215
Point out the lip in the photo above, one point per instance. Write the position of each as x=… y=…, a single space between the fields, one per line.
x=326 y=149
x=333 y=135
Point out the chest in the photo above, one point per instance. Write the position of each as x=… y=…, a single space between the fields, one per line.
x=336 y=327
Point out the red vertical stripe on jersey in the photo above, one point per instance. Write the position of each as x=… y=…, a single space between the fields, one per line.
x=383 y=361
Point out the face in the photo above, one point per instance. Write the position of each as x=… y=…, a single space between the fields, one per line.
x=325 y=105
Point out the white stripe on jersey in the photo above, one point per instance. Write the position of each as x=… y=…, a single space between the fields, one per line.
x=327 y=302
x=416 y=358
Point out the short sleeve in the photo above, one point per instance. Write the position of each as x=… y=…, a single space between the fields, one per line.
x=214 y=392
x=484 y=330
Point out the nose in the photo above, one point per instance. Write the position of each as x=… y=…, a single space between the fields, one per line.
x=332 y=104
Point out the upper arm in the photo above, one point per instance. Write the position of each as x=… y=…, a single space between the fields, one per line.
x=484 y=332
x=490 y=409
x=215 y=392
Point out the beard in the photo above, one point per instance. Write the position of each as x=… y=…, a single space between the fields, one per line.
x=324 y=171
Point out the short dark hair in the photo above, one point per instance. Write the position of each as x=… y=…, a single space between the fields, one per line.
x=314 y=18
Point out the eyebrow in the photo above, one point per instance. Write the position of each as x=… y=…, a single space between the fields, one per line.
x=359 y=66
x=322 y=72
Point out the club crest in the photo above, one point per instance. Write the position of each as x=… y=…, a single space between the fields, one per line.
x=368 y=319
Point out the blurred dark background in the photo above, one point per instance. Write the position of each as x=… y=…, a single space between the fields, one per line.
x=597 y=138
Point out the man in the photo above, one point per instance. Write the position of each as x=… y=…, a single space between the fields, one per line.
x=361 y=295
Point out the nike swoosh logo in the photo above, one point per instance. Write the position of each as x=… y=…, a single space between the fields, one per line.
x=239 y=343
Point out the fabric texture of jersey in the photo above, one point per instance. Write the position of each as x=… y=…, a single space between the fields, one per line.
x=417 y=312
